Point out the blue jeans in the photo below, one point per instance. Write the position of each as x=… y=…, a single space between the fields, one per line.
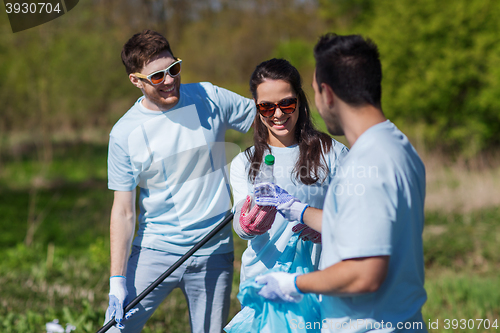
x=205 y=281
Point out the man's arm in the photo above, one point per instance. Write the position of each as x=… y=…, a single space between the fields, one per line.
x=237 y=111
x=313 y=218
x=122 y=229
x=346 y=278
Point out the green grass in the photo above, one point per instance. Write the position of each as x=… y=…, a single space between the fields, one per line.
x=64 y=272
x=461 y=294
x=463 y=240
x=79 y=163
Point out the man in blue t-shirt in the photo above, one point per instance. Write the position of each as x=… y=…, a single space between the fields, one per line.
x=371 y=275
x=170 y=144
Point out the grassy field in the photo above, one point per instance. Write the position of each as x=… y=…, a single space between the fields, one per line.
x=54 y=244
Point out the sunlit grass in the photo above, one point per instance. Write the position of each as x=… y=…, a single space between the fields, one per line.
x=461 y=294
x=64 y=273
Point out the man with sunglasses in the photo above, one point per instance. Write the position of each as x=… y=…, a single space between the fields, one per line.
x=170 y=144
x=371 y=275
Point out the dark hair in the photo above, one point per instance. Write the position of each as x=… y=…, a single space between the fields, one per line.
x=350 y=65
x=312 y=143
x=141 y=47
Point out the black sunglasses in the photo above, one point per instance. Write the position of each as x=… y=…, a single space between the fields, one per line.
x=287 y=105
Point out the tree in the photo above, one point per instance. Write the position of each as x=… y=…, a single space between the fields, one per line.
x=441 y=73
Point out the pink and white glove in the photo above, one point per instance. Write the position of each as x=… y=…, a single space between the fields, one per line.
x=258 y=219
x=307 y=234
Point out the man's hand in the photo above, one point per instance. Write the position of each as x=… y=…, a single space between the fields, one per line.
x=117 y=295
x=258 y=219
x=280 y=287
x=290 y=207
x=307 y=234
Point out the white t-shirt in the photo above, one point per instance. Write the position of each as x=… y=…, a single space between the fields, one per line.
x=177 y=158
x=375 y=207
x=264 y=250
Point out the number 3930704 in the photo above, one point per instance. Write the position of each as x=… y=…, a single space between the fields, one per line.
x=470 y=324
x=32 y=8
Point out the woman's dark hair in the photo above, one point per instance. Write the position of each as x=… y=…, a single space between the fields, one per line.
x=311 y=165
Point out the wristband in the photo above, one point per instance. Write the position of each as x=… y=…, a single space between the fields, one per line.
x=302 y=214
x=295 y=283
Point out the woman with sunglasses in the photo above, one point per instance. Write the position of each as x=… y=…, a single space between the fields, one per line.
x=305 y=162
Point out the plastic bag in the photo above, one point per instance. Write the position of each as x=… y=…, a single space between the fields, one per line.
x=261 y=315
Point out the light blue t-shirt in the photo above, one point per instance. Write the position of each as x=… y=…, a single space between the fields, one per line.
x=177 y=158
x=264 y=250
x=375 y=207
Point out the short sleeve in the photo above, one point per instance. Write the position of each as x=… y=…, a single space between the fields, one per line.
x=239 y=178
x=342 y=153
x=237 y=111
x=364 y=204
x=120 y=172
x=338 y=153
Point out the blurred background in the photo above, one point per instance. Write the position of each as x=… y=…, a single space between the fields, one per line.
x=63 y=86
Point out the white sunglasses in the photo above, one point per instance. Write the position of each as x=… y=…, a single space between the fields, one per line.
x=158 y=77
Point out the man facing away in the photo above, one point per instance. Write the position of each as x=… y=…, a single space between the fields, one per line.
x=371 y=275
x=166 y=144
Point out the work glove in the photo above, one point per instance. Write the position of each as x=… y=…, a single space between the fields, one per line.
x=290 y=207
x=307 y=234
x=280 y=287
x=117 y=295
x=256 y=220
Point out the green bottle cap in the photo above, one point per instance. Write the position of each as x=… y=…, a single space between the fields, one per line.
x=269 y=160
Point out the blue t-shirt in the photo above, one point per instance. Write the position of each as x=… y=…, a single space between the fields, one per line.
x=177 y=158
x=375 y=207
x=264 y=250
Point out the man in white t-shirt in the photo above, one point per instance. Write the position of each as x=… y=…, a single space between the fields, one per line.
x=170 y=144
x=371 y=275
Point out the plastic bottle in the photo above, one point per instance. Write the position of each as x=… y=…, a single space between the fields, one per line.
x=264 y=182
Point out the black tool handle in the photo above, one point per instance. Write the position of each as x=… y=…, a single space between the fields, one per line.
x=169 y=271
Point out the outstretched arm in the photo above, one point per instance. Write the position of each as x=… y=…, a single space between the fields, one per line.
x=348 y=277
x=313 y=217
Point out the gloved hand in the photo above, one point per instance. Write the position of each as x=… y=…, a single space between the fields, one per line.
x=258 y=219
x=290 y=207
x=280 y=287
x=117 y=295
x=307 y=234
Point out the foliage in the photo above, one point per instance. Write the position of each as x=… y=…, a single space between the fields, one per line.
x=441 y=80
x=343 y=14
x=62 y=79
x=440 y=64
x=297 y=52
x=226 y=45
